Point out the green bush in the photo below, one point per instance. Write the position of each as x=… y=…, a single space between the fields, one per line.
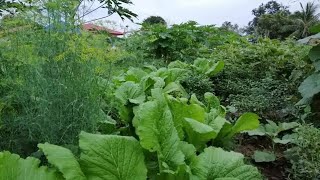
x=197 y=84
x=261 y=96
x=262 y=77
x=305 y=157
x=185 y=42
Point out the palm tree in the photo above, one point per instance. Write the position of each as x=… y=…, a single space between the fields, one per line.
x=305 y=19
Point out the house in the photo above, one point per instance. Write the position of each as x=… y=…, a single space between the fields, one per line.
x=93 y=27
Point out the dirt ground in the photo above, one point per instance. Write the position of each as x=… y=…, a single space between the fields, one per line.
x=276 y=170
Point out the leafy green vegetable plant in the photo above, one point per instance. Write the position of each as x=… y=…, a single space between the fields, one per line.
x=171 y=131
x=134 y=86
x=272 y=131
x=120 y=157
x=162 y=133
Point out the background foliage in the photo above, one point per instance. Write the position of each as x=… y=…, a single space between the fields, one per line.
x=184 y=42
x=262 y=77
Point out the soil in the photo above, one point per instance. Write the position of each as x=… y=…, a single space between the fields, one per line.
x=276 y=170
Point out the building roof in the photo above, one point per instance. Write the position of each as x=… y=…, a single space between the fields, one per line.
x=92 y=27
x=309 y=39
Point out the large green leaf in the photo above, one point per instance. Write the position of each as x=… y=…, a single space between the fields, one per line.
x=135 y=75
x=151 y=82
x=201 y=65
x=215 y=69
x=309 y=88
x=216 y=123
x=261 y=156
x=286 y=139
x=224 y=131
x=314 y=54
x=111 y=157
x=15 y=168
x=198 y=133
x=195 y=100
x=178 y=64
x=207 y=67
x=272 y=129
x=180 y=109
x=171 y=75
x=130 y=92
x=215 y=163
x=317 y=65
x=288 y=126
x=260 y=131
x=154 y=126
x=246 y=122
x=175 y=87
x=189 y=151
x=127 y=95
x=108 y=126
x=175 y=74
x=64 y=160
x=184 y=171
x=212 y=101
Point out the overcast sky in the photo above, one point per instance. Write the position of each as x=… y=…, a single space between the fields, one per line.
x=203 y=11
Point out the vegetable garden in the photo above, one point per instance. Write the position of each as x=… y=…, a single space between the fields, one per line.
x=182 y=102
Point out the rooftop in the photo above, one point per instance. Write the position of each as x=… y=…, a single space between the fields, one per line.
x=93 y=27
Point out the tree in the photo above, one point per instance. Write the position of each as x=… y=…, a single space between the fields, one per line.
x=275 y=26
x=10 y=6
x=272 y=7
x=76 y=9
x=112 y=6
x=305 y=19
x=154 y=20
x=231 y=27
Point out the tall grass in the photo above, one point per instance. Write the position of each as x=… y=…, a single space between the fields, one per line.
x=53 y=90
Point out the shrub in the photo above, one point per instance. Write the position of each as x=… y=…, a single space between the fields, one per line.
x=261 y=96
x=261 y=77
x=184 y=42
x=197 y=84
x=305 y=156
